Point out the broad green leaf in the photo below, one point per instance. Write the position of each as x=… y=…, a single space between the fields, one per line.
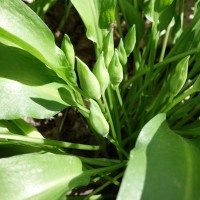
x=39 y=176
x=132 y=16
x=163 y=165
x=19 y=126
x=28 y=87
x=89 y=10
x=20 y=26
x=107 y=13
x=10 y=148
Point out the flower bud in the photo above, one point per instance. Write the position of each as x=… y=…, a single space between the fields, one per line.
x=108 y=47
x=97 y=119
x=115 y=70
x=179 y=76
x=130 y=40
x=122 y=52
x=101 y=73
x=88 y=81
x=68 y=49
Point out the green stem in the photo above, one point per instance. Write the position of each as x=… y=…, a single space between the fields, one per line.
x=118 y=22
x=194 y=111
x=124 y=112
x=165 y=43
x=119 y=148
x=94 y=172
x=161 y=64
x=42 y=142
x=64 y=18
x=99 y=161
x=178 y=100
x=104 y=186
x=109 y=118
x=153 y=50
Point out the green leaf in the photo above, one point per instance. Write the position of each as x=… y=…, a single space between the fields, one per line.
x=132 y=16
x=28 y=87
x=163 y=165
x=89 y=10
x=107 y=13
x=19 y=126
x=20 y=26
x=39 y=176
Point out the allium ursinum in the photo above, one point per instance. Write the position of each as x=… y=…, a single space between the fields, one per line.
x=101 y=73
x=122 y=52
x=68 y=49
x=179 y=76
x=88 y=82
x=130 y=40
x=108 y=47
x=97 y=119
x=115 y=70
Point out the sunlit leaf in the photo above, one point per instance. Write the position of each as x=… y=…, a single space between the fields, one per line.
x=89 y=10
x=20 y=26
x=19 y=126
x=28 y=87
x=39 y=176
x=163 y=165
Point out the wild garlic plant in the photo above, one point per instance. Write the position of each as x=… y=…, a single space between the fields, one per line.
x=140 y=98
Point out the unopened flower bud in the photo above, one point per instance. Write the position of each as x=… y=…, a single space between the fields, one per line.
x=122 y=52
x=179 y=76
x=88 y=81
x=108 y=47
x=115 y=70
x=130 y=40
x=68 y=49
x=97 y=119
x=101 y=73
